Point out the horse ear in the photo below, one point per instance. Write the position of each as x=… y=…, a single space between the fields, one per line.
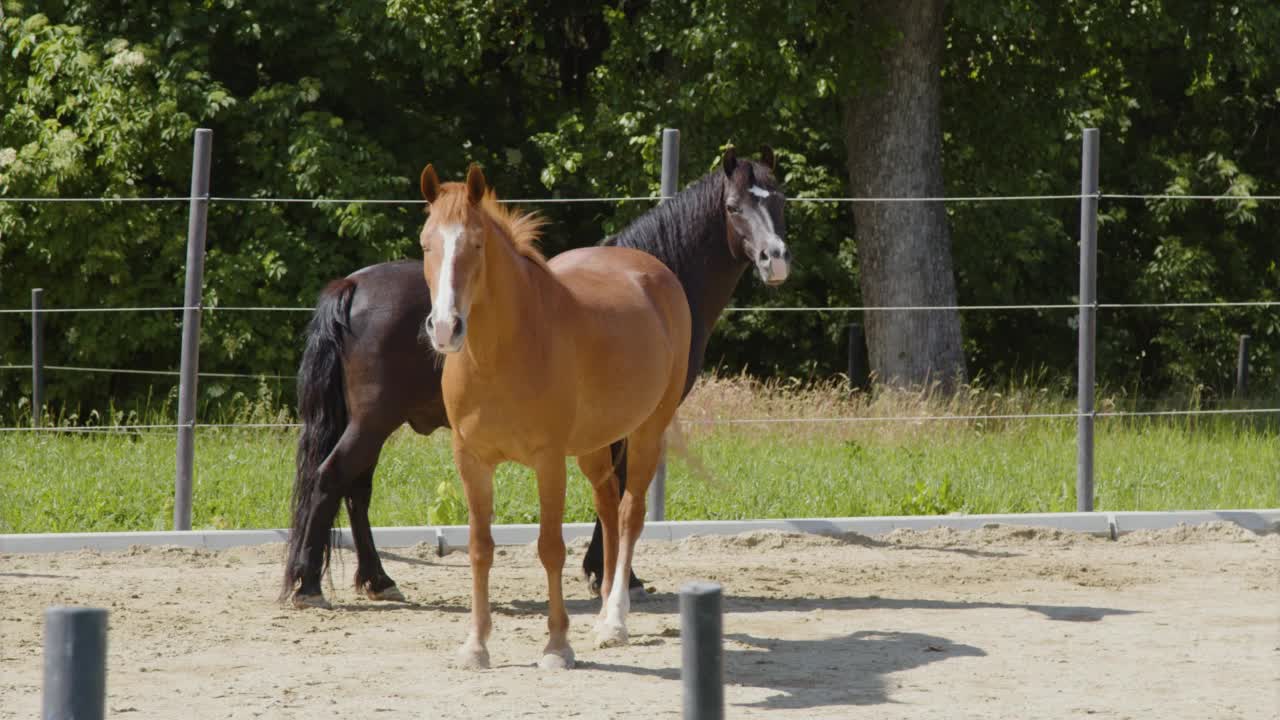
x=430 y=184
x=730 y=161
x=475 y=184
x=766 y=157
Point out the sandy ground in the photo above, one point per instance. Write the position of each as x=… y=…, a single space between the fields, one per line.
x=999 y=623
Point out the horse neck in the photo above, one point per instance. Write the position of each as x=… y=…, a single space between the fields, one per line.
x=710 y=285
x=510 y=311
x=695 y=245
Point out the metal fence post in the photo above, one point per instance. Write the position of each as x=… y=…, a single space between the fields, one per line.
x=670 y=185
x=197 y=224
x=75 y=663
x=1242 y=368
x=859 y=368
x=1088 y=325
x=702 y=651
x=37 y=357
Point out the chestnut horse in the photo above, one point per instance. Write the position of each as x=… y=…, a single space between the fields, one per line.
x=364 y=372
x=545 y=360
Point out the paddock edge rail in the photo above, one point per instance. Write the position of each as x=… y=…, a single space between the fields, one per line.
x=447 y=538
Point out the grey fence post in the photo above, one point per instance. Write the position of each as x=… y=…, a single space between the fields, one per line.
x=859 y=368
x=701 y=651
x=670 y=186
x=197 y=224
x=75 y=663
x=1242 y=368
x=37 y=357
x=1088 y=318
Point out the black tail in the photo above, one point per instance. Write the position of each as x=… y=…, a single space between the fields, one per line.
x=322 y=408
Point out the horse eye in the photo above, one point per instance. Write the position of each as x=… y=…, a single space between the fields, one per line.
x=734 y=209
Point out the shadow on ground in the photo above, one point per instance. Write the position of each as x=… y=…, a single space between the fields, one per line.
x=846 y=670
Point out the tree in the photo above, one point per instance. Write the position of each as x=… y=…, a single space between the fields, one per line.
x=893 y=133
x=334 y=99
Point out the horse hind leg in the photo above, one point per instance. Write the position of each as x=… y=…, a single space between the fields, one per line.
x=593 y=559
x=370 y=578
x=643 y=450
x=601 y=468
x=354 y=453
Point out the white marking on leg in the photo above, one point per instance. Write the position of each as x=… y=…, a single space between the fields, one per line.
x=619 y=597
x=612 y=628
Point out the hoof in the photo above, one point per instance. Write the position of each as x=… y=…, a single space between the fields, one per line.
x=638 y=592
x=389 y=594
x=593 y=586
x=557 y=660
x=302 y=602
x=611 y=635
x=471 y=657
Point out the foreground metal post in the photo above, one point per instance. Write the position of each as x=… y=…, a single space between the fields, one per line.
x=75 y=663
x=37 y=357
x=859 y=368
x=657 y=502
x=1242 y=368
x=1088 y=318
x=702 y=651
x=197 y=224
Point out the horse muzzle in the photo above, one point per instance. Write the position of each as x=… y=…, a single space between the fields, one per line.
x=774 y=270
x=447 y=334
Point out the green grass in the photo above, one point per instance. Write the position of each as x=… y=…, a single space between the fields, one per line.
x=124 y=481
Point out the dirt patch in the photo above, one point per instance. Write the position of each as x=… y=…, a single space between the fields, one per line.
x=1002 y=622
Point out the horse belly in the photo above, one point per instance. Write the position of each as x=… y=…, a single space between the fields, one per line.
x=624 y=374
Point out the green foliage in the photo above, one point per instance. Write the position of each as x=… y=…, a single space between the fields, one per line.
x=337 y=100
x=448 y=507
x=931 y=499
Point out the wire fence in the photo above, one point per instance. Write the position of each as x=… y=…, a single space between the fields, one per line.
x=647 y=198
x=754 y=308
x=837 y=420
x=758 y=309
x=843 y=420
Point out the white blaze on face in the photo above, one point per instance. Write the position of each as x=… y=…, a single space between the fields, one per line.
x=444 y=306
x=774 y=267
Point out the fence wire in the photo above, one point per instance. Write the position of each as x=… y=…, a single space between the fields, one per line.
x=619 y=199
x=756 y=308
x=648 y=198
x=850 y=419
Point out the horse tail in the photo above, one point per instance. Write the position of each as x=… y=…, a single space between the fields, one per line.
x=674 y=438
x=322 y=408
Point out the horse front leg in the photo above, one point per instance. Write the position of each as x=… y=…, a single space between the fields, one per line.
x=557 y=655
x=477 y=485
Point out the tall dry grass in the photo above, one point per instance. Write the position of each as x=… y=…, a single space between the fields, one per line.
x=833 y=409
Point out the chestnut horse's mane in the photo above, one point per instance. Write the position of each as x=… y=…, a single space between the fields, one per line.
x=521 y=229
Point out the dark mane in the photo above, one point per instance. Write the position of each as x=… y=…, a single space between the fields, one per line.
x=675 y=230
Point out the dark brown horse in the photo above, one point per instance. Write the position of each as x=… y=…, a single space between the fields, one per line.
x=365 y=372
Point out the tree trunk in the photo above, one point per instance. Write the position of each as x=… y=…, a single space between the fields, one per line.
x=893 y=131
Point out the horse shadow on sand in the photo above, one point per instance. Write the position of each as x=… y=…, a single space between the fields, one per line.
x=850 y=669
x=669 y=604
